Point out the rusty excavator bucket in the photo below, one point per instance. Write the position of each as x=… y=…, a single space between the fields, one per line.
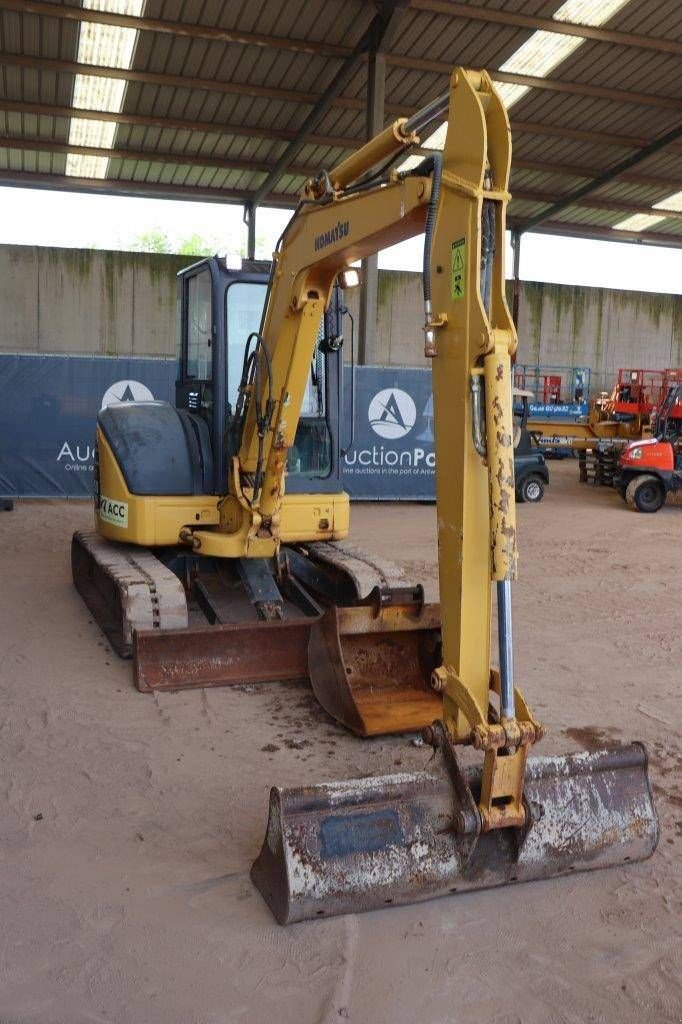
x=372 y=672
x=368 y=843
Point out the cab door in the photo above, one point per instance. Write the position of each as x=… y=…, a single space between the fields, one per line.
x=200 y=384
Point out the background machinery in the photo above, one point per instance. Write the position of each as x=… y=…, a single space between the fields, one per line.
x=554 y=385
x=651 y=469
x=602 y=423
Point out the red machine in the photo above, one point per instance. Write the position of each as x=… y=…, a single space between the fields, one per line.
x=651 y=469
x=641 y=392
x=637 y=392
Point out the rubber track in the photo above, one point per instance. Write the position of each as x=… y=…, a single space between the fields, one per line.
x=366 y=571
x=126 y=588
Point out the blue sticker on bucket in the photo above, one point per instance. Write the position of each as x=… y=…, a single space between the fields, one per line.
x=362 y=832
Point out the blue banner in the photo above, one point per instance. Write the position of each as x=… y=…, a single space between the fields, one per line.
x=49 y=405
x=48 y=409
x=392 y=456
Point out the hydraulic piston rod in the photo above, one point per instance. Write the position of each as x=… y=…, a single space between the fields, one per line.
x=400 y=135
x=506 y=648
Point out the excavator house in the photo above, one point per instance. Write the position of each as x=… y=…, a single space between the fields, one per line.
x=231 y=500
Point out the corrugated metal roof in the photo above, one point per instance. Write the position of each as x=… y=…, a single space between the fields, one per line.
x=217 y=91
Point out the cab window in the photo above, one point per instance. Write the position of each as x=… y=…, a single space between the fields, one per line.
x=245 y=301
x=199 y=326
x=310 y=455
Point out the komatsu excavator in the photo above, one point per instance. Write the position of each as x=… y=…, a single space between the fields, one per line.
x=379 y=658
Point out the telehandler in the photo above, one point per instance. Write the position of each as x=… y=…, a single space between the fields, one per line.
x=378 y=656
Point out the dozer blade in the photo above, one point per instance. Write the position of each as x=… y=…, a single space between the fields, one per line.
x=248 y=652
x=372 y=672
x=345 y=847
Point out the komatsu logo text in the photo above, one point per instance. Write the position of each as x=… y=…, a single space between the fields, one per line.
x=334 y=234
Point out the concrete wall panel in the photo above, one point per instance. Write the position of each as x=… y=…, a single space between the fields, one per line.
x=19 y=328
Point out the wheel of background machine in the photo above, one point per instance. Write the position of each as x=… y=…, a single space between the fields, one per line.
x=532 y=489
x=645 y=493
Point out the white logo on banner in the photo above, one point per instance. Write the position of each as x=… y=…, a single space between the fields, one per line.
x=392 y=413
x=126 y=391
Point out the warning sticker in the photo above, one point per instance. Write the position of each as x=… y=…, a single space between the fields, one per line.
x=114 y=512
x=458 y=268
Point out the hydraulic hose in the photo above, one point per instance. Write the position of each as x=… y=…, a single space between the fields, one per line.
x=432 y=165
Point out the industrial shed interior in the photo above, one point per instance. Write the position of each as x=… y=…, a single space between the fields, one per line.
x=273 y=743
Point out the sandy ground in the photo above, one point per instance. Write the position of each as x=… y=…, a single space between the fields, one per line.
x=129 y=822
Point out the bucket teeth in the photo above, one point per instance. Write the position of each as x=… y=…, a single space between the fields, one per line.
x=346 y=847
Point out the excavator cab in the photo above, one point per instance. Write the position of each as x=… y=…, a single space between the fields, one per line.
x=219 y=309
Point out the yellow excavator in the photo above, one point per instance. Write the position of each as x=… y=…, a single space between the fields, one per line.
x=383 y=660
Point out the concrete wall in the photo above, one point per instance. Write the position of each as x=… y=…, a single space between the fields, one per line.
x=112 y=303
x=604 y=329
x=87 y=302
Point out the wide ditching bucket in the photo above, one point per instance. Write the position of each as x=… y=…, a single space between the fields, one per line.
x=350 y=846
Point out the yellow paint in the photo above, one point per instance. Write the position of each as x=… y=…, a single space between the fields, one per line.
x=157 y=520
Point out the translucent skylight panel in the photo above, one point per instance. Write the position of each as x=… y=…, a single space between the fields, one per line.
x=638 y=222
x=93 y=93
x=79 y=166
x=673 y=202
x=108 y=46
x=542 y=52
x=589 y=12
x=92 y=133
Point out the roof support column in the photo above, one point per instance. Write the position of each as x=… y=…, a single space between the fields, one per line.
x=516 y=249
x=250 y=221
x=367 y=332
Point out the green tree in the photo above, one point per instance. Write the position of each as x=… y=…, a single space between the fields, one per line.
x=195 y=245
x=153 y=240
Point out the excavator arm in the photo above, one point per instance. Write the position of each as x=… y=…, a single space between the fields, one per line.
x=358 y=844
x=459 y=200
x=471 y=340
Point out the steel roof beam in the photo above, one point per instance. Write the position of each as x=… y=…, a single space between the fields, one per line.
x=285 y=134
x=607 y=234
x=533 y=23
x=580 y=134
x=614 y=205
x=149 y=156
x=227 y=162
x=575 y=171
x=183 y=81
x=578 y=197
x=154 y=190
x=620 y=96
x=371 y=39
x=163 y=123
x=296 y=45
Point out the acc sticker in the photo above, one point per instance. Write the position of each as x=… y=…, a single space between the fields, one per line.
x=114 y=512
x=458 y=267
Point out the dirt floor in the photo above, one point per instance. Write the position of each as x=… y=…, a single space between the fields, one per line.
x=129 y=822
